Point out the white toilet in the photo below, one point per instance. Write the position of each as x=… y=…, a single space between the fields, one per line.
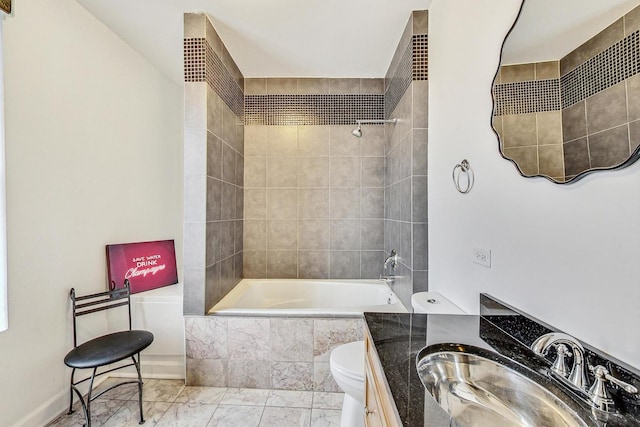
x=347 y=360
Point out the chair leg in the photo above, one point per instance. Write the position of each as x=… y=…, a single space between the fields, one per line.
x=73 y=371
x=137 y=365
x=87 y=412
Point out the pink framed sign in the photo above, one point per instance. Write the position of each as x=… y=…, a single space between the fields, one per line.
x=147 y=265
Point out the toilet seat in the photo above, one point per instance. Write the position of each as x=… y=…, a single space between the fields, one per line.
x=348 y=360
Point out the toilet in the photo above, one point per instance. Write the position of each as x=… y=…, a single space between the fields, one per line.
x=347 y=360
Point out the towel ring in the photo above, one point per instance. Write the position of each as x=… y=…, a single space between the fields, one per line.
x=460 y=169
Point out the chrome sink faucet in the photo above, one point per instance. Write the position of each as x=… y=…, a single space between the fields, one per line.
x=596 y=395
x=541 y=346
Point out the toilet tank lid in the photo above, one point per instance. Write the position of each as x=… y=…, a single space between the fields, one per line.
x=433 y=303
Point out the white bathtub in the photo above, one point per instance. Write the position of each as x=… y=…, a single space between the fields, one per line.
x=302 y=297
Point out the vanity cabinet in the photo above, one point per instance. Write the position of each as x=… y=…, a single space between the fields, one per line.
x=379 y=410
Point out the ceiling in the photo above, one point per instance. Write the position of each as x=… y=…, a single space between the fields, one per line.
x=269 y=38
x=550 y=29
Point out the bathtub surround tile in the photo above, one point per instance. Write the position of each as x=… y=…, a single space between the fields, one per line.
x=609 y=148
x=371 y=264
x=313 y=86
x=212 y=122
x=249 y=373
x=255 y=172
x=345 y=234
x=236 y=415
x=313 y=203
x=313 y=264
x=281 y=203
x=249 y=338
x=372 y=203
x=344 y=264
x=282 y=264
x=255 y=141
x=330 y=333
x=343 y=143
x=281 y=172
x=607 y=109
x=313 y=234
x=314 y=172
x=345 y=203
x=371 y=234
x=342 y=172
x=313 y=141
x=282 y=235
x=322 y=378
x=292 y=340
x=255 y=202
x=206 y=338
x=292 y=375
x=282 y=141
x=255 y=264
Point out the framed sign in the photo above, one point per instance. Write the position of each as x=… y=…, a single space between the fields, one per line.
x=147 y=265
x=5 y=6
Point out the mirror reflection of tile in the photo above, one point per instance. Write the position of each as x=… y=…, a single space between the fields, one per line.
x=582 y=112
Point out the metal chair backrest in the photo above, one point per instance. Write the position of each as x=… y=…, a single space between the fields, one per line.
x=93 y=303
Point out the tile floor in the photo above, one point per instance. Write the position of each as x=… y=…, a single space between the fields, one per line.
x=170 y=403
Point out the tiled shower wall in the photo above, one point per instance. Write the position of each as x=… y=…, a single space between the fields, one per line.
x=595 y=93
x=405 y=207
x=314 y=193
x=214 y=167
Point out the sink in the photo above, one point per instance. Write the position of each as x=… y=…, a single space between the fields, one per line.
x=479 y=387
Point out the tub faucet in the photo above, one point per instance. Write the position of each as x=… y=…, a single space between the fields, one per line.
x=392 y=258
x=541 y=346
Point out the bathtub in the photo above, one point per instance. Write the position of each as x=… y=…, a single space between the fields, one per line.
x=302 y=297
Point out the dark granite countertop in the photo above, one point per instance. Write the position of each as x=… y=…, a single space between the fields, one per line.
x=398 y=337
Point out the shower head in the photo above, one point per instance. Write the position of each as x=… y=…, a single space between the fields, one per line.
x=357 y=132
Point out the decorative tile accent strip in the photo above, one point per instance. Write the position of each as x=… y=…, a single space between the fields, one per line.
x=312 y=109
x=202 y=64
x=194 y=60
x=399 y=82
x=412 y=66
x=527 y=97
x=613 y=65
x=420 y=57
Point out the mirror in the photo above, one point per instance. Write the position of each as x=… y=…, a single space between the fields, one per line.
x=567 y=93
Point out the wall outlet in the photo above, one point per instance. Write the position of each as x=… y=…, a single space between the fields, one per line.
x=482 y=256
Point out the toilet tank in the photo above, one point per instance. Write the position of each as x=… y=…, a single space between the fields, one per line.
x=160 y=312
x=433 y=303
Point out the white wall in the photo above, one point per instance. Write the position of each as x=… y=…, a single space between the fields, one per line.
x=568 y=255
x=94 y=156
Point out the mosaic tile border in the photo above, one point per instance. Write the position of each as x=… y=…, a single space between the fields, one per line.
x=414 y=65
x=612 y=66
x=608 y=68
x=202 y=64
x=527 y=97
x=312 y=109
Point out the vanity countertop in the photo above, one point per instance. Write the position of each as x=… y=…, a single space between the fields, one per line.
x=398 y=337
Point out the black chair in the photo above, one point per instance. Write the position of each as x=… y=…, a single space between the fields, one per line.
x=104 y=350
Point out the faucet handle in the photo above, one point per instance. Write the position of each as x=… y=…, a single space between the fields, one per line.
x=559 y=366
x=598 y=395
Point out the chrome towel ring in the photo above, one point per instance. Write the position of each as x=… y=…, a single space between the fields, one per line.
x=460 y=169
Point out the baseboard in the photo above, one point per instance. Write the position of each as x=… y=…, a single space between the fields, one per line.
x=51 y=409
x=160 y=367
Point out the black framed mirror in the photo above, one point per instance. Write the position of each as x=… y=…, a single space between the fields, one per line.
x=567 y=92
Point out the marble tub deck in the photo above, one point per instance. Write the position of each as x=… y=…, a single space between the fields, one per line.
x=171 y=403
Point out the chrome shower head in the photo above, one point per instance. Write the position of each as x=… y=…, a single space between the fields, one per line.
x=357 y=132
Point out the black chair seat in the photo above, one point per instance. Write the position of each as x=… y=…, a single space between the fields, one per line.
x=108 y=349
